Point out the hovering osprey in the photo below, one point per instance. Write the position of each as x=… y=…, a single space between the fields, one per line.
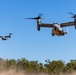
x=56 y=28
x=6 y=37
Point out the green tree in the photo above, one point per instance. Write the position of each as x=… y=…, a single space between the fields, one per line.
x=55 y=67
x=34 y=66
x=41 y=67
x=71 y=66
x=23 y=64
x=11 y=63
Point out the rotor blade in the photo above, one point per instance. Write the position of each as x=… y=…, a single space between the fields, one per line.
x=30 y=18
x=71 y=13
x=36 y=18
x=11 y=33
x=40 y=14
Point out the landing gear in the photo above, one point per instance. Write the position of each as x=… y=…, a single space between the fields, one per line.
x=63 y=34
x=52 y=34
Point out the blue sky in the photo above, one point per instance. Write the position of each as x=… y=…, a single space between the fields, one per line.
x=27 y=42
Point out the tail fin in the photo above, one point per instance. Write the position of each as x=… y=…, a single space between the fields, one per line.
x=66 y=31
x=10 y=35
x=75 y=26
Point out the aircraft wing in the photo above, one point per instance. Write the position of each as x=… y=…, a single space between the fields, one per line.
x=46 y=25
x=67 y=24
x=6 y=36
x=0 y=36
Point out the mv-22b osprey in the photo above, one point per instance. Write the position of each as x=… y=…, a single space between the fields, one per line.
x=56 y=28
x=6 y=37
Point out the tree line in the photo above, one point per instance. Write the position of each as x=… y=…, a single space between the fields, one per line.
x=50 y=67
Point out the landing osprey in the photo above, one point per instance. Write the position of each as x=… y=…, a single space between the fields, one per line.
x=56 y=28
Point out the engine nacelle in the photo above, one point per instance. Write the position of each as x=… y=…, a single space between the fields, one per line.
x=75 y=27
x=38 y=24
x=38 y=27
x=75 y=23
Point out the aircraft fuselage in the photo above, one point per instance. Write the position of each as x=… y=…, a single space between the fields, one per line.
x=57 y=30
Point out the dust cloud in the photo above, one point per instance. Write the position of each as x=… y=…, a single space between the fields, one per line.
x=11 y=72
x=14 y=72
x=73 y=73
